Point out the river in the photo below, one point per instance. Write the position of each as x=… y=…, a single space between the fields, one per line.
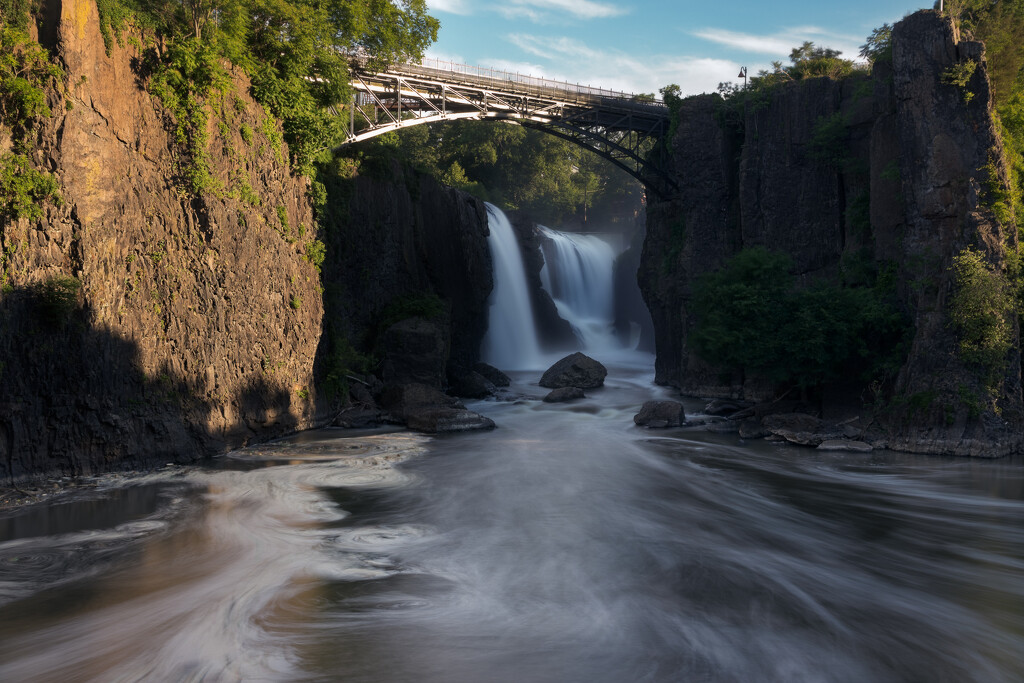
x=566 y=545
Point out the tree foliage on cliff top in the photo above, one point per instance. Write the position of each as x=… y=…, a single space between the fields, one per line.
x=516 y=168
x=1000 y=25
x=25 y=73
x=295 y=51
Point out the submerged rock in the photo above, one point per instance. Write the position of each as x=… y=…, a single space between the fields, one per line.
x=724 y=407
x=428 y=410
x=845 y=445
x=563 y=394
x=575 y=370
x=660 y=414
x=444 y=420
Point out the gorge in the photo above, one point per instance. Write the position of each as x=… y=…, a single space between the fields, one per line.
x=294 y=325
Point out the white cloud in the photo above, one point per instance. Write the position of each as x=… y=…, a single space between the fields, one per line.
x=778 y=45
x=451 y=6
x=570 y=60
x=581 y=9
x=431 y=53
x=537 y=11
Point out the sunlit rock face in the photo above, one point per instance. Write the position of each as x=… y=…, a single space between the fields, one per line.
x=197 y=320
x=901 y=192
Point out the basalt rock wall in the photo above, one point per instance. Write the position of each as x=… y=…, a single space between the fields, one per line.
x=906 y=190
x=198 y=322
x=395 y=236
x=197 y=319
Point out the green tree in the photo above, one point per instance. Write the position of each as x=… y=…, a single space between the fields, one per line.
x=751 y=317
x=982 y=310
x=295 y=51
x=739 y=309
x=878 y=45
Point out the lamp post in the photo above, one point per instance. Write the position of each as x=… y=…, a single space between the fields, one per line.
x=743 y=75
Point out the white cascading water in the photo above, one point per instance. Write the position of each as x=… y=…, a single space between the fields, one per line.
x=511 y=339
x=578 y=274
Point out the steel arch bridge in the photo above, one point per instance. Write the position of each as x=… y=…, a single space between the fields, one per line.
x=617 y=126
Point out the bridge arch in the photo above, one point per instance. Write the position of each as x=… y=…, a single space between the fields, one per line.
x=614 y=125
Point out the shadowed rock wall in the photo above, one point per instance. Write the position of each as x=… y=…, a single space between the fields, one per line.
x=907 y=191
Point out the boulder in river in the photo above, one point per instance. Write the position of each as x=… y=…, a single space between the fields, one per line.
x=660 y=414
x=724 y=407
x=563 y=394
x=575 y=370
x=492 y=374
x=470 y=385
x=845 y=445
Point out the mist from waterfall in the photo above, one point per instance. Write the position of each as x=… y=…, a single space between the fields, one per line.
x=579 y=275
x=511 y=339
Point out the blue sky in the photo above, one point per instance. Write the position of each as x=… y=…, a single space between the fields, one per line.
x=642 y=45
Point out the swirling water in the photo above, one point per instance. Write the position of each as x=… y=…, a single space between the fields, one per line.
x=566 y=545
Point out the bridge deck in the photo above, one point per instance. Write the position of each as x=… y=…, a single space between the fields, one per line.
x=620 y=127
x=516 y=84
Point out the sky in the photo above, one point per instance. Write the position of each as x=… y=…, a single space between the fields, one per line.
x=640 y=46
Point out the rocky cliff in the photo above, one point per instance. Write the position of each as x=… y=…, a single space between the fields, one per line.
x=197 y=319
x=901 y=183
x=399 y=244
x=142 y=322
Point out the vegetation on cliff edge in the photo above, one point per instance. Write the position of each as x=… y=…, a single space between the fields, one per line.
x=25 y=74
x=295 y=52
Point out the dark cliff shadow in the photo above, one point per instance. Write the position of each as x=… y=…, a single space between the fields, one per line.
x=74 y=399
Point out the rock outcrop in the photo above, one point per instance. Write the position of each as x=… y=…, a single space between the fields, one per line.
x=425 y=409
x=400 y=244
x=904 y=188
x=198 y=318
x=198 y=323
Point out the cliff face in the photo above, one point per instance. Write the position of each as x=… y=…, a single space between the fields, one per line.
x=396 y=236
x=197 y=320
x=198 y=323
x=904 y=189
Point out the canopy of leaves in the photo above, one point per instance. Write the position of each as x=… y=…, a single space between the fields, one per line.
x=296 y=51
x=25 y=74
x=515 y=167
x=982 y=310
x=806 y=61
x=752 y=317
x=1000 y=24
x=878 y=45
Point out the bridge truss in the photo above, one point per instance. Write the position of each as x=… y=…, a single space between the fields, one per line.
x=614 y=125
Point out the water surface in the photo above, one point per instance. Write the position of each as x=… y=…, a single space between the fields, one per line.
x=566 y=545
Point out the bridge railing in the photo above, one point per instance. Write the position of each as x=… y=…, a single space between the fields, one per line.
x=522 y=79
x=533 y=85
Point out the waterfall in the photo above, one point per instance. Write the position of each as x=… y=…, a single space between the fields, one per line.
x=511 y=339
x=578 y=273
